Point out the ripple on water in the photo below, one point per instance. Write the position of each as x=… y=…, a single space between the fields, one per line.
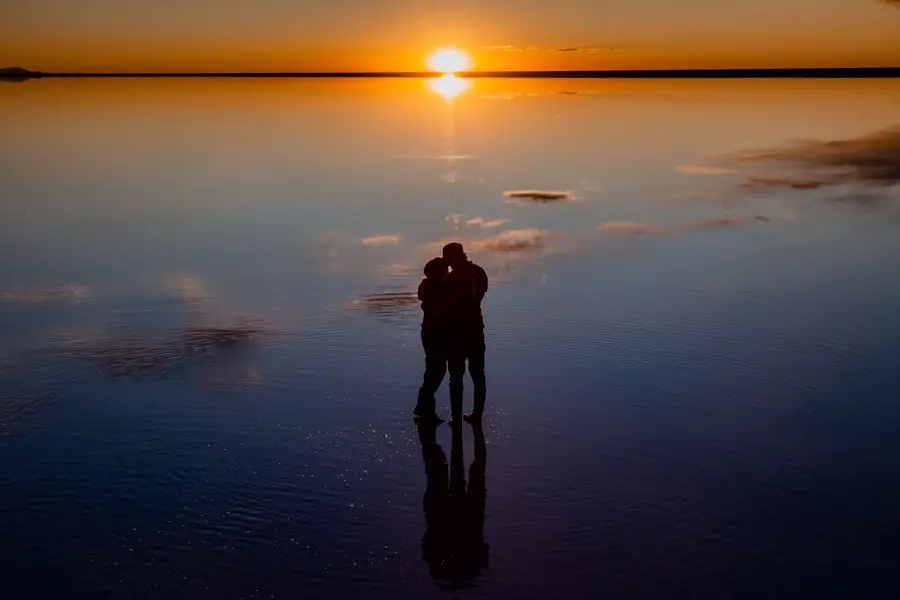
x=125 y=353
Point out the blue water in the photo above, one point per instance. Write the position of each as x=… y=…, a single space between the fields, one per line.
x=210 y=346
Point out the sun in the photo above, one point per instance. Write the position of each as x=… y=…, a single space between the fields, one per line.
x=448 y=60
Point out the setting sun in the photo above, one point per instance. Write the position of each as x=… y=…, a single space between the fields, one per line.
x=448 y=60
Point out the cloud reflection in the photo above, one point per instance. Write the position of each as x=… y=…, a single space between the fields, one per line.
x=871 y=161
x=391 y=302
x=514 y=240
x=541 y=196
x=479 y=222
x=186 y=287
x=66 y=292
x=637 y=228
x=705 y=170
x=386 y=239
x=123 y=353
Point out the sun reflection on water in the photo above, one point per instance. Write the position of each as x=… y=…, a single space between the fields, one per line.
x=449 y=86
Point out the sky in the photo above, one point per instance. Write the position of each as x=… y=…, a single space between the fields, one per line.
x=392 y=35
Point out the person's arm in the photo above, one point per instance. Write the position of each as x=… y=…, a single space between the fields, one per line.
x=481 y=283
x=423 y=290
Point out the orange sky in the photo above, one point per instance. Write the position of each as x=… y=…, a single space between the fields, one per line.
x=273 y=35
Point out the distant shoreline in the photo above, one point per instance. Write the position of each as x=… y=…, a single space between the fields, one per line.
x=817 y=73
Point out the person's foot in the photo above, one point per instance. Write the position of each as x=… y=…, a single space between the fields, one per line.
x=473 y=419
x=428 y=418
x=424 y=406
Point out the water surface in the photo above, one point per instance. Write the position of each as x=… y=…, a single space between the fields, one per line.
x=210 y=345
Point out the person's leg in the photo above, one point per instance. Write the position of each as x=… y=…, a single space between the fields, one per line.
x=435 y=369
x=457 y=364
x=479 y=381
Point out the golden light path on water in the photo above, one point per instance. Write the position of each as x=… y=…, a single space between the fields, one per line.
x=449 y=86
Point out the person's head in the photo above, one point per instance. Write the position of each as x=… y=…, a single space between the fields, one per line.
x=454 y=254
x=435 y=269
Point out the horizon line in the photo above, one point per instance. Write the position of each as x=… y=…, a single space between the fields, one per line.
x=729 y=73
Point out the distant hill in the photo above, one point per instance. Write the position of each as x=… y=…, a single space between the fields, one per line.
x=17 y=73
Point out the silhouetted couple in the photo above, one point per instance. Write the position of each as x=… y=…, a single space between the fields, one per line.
x=452 y=332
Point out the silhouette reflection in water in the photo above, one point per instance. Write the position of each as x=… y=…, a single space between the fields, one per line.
x=453 y=546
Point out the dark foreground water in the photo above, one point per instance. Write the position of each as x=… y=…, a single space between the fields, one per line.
x=209 y=349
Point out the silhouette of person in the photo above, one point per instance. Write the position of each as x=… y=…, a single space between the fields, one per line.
x=465 y=286
x=453 y=545
x=435 y=335
x=453 y=332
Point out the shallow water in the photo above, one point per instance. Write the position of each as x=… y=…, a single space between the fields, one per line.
x=210 y=345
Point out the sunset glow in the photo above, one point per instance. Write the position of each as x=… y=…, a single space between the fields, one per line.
x=274 y=36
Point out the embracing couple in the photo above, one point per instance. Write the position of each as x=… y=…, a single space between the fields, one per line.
x=452 y=332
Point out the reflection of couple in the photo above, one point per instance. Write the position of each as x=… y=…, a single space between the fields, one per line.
x=453 y=546
x=452 y=332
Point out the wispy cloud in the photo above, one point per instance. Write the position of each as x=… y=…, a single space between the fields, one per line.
x=586 y=49
x=542 y=196
x=493 y=224
x=871 y=161
x=514 y=48
x=706 y=170
x=502 y=48
x=384 y=239
x=636 y=228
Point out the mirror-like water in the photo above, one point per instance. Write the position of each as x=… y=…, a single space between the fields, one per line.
x=210 y=347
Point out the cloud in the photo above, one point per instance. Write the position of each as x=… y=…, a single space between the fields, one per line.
x=515 y=240
x=542 y=196
x=384 y=239
x=871 y=161
x=586 y=49
x=635 y=228
x=479 y=222
x=502 y=48
x=706 y=170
